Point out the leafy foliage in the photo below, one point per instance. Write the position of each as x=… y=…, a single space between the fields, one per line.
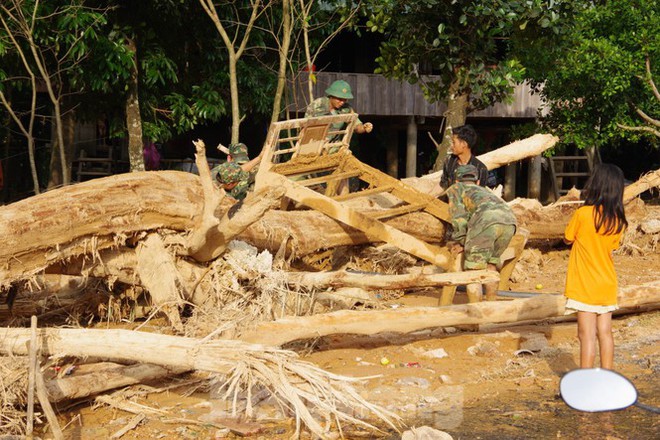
x=464 y=42
x=593 y=70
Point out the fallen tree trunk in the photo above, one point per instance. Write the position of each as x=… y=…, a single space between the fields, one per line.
x=101 y=213
x=299 y=385
x=379 y=281
x=644 y=183
x=411 y=319
x=106 y=213
x=293 y=228
x=90 y=384
x=518 y=150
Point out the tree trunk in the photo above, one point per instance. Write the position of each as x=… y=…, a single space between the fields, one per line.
x=455 y=116
x=90 y=384
x=411 y=319
x=283 y=59
x=529 y=147
x=405 y=281
x=101 y=213
x=133 y=118
x=644 y=183
x=293 y=228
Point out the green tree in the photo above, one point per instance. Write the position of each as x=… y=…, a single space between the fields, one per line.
x=43 y=44
x=597 y=72
x=464 y=42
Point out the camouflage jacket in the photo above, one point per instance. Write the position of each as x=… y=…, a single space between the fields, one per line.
x=474 y=207
x=321 y=107
x=244 y=184
x=240 y=191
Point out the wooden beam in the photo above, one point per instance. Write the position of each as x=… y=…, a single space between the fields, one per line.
x=383 y=281
x=406 y=320
x=363 y=193
x=329 y=178
x=397 y=211
x=373 y=228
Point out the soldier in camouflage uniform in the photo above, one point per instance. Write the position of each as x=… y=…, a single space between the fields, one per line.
x=237 y=175
x=483 y=224
x=233 y=179
x=336 y=103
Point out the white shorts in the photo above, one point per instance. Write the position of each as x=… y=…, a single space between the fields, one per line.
x=573 y=306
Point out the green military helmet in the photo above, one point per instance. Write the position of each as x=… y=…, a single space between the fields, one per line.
x=466 y=173
x=239 y=153
x=339 y=89
x=229 y=172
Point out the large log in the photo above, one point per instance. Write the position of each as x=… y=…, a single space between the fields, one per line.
x=36 y=233
x=379 y=281
x=518 y=150
x=90 y=384
x=644 y=183
x=305 y=232
x=87 y=217
x=406 y=320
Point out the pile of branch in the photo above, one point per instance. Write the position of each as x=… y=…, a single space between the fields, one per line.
x=308 y=391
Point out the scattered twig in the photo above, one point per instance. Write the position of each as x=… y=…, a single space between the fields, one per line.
x=135 y=421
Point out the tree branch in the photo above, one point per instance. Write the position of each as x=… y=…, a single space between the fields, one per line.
x=646 y=129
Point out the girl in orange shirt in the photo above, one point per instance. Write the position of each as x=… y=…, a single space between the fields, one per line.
x=595 y=231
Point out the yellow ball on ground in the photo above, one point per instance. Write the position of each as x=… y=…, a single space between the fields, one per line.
x=384 y=361
x=539 y=286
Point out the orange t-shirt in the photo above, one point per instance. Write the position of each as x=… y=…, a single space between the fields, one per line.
x=591 y=278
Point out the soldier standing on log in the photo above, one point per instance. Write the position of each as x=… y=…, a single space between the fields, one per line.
x=336 y=103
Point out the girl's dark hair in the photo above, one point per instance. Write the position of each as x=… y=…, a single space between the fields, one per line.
x=604 y=191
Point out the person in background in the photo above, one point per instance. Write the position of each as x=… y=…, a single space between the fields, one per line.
x=336 y=103
x=482 y=225
x=463 y=140
x=151 y=156
x=595 y=231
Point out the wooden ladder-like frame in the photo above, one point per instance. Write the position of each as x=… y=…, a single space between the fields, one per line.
x=298 y=158
x=311 y=157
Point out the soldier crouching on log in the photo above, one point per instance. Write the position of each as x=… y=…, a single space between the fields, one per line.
x=236 y=176
x=482 y=225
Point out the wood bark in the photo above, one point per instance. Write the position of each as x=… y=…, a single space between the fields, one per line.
x=90 y=384
x=102 y=213
x=644 y=183
x=411 y=319
x=404 y=281
x=518 y=150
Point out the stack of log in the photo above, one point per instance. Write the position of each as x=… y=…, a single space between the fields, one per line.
x=166 y=233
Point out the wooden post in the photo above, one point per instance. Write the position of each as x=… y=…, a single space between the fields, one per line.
x=448 y=292
x=534 y=178
x=510 y=181
x=411 y=147
x=392 y=152
x=32 y=371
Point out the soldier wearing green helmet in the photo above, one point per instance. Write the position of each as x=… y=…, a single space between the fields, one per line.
x=336 y=103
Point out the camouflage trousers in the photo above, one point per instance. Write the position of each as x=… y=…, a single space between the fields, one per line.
x=484 y=246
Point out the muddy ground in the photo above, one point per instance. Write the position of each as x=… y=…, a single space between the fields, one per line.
x=476 y=387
